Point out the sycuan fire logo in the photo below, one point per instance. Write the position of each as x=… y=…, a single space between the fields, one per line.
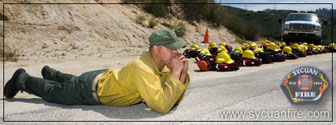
x=305 y=84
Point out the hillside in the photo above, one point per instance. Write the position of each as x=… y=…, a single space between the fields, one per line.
x=108 y=30
x=267 y=20
x=84 y=30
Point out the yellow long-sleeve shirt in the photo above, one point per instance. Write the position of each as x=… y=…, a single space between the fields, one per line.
x=141 y=80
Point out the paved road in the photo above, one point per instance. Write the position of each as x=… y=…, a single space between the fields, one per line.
x=251 y=90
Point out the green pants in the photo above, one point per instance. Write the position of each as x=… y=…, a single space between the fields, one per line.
x=61 y=88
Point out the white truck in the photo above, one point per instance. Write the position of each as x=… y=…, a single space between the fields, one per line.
x=301 y=26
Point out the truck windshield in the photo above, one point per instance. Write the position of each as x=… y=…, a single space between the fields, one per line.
x=302 y=17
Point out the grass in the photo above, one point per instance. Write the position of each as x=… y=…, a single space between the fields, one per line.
x=152 y=23
x=140 y=46
x=11 y=54
x=240 y=40
x=158 y=10
x=73 y=46
x=166 y=24
x=180 y=29
x=125 y=50
x=139 y=19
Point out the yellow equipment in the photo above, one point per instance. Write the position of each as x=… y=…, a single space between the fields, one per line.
x=248 y=54
x=194 y=47
x=273 y=46
x=332 y=45
x=224 y=57
x=221 y=49
x=245 y=46
x=303 y=48
x=311 y=45
x=287 y=49
x=222 y=44
x=238 y=50
x=212 y=45
x=264 y=43
x=258 y=50
x=283 y=44
x=253 y=45
x=205 y=52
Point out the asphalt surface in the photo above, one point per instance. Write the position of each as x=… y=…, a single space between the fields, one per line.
x=253 y=90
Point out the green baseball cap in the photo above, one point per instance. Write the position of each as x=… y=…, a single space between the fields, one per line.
x=166 y=38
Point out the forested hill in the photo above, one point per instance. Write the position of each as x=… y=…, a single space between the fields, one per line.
x=269 y=27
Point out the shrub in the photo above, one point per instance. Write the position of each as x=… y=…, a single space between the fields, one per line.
x=132 y=1
x=166 y=24
x=250 y=31
x=152 y=23
x=140 y=46
x=158 y=10
x=180 y=29
x=139 y=19
x=199 y=11
x=11 y=54
x=240 y=40
x=219 y=15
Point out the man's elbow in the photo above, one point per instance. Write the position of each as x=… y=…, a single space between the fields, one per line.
x=161 y=109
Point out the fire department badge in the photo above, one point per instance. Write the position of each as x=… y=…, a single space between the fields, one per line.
x=305 y=84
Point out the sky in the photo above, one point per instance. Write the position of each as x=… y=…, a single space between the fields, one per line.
x=309 y=4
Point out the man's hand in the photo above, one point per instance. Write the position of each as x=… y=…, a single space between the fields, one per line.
x=185 y=69
x=176 y=65
x=185 y=65
x=180 y=74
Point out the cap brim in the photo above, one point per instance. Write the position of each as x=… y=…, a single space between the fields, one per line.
x=175 y=45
